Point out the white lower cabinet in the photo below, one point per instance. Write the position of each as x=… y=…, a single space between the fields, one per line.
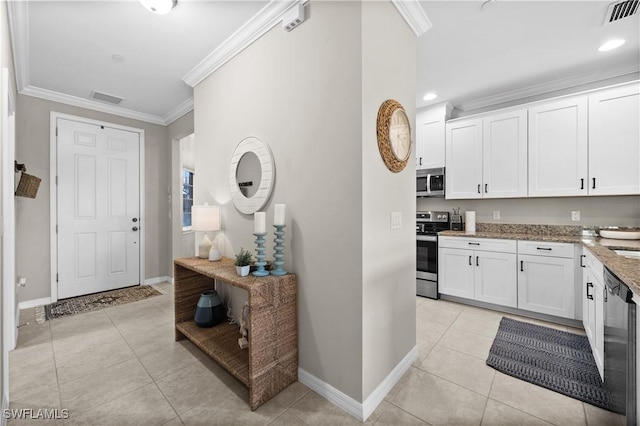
x=487 y=276
x=529 y=275
x=593 y=306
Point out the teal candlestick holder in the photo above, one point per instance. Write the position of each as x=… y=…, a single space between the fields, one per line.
x=260 y=272
x=279 y=250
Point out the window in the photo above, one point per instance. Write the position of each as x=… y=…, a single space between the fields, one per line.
x=187 y=198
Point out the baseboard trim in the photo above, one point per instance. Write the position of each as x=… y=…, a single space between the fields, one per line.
x=157 y=280
x=33 y=303
x=377 y=396
x=333 y=395
x=5 y=406
x=361 y=411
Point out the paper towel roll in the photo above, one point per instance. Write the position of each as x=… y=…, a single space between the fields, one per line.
x=470 y=222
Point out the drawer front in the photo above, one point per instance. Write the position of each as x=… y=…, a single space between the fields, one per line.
x=484 y=244
x=541 y=248
x=591 y=262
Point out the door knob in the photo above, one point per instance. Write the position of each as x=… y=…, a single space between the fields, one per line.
x=135 y=219
x=135 y=228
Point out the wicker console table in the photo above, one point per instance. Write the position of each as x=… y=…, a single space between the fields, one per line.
x=270 y=363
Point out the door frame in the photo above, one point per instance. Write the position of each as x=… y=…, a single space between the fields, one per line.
x=53 y=193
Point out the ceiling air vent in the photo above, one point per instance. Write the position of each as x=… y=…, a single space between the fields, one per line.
x=620 y=10
x=99 y=96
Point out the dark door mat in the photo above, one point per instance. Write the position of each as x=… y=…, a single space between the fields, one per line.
x=96 y=301
x=554 y=359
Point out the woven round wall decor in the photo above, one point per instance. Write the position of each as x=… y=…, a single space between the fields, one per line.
x=394 y=135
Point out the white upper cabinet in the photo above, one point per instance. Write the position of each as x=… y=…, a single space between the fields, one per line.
x=558 y=148
x=430 y=135
x=487 y=157
x=464 y=159
x=614 y=141
x=504 y=155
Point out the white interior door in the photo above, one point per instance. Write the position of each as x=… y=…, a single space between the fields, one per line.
x=98 y=208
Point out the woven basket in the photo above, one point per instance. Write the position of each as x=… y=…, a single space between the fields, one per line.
x=28 y=186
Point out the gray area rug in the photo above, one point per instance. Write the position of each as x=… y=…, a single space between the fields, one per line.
x=554 y=359
x=93 y=302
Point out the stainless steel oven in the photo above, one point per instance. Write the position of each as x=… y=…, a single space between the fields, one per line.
x=428 y=224
x=430 y=182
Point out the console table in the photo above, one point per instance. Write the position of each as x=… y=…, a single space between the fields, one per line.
x=270 y=363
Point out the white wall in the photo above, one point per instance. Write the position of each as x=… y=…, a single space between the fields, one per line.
x=32 y=215
x=388 y=260
x=300 y=92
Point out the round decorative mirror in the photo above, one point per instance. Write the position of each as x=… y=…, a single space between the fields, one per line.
x=251 y=175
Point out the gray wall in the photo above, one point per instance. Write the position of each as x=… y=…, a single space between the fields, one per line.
x=182 y=243
x=388 y=260
x=594 y=211
x=32 y=215
x=313 y=95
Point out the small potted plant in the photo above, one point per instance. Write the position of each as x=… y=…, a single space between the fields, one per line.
x=243 y=262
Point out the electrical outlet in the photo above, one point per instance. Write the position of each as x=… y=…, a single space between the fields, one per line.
x=396 y=220
x=575 y=216
x=496 y=214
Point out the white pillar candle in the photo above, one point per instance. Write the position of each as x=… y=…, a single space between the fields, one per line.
x=470 y=222
x=259 y=223
x=278 y=217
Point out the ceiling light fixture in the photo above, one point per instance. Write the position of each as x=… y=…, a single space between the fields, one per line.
x=611 y=44
x=430 y=96
x=161 y=7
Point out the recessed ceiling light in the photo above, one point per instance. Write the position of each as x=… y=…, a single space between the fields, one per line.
x=611 y=44
x=430 y=96
x=117 y=58
x=161 y=7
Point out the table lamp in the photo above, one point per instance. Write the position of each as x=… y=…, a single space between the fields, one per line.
x=206 y=218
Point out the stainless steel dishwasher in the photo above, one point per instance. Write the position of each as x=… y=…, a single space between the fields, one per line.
x=620 y=346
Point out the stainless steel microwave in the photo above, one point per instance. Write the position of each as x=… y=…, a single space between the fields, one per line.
x=430 y=182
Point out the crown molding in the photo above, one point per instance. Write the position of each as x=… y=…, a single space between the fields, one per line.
x=17 y=15
x=177 y=112
x=268 y=17
x=50 y=95
x=414 y=15
x=550 y=86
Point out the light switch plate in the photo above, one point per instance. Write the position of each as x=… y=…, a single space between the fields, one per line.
x=496 y=214
x=396 y=220
x=575 y=215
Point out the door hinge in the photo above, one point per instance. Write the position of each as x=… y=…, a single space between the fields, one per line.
x=56 y=229
x=56 y=277
x=56 y=131
x=56 y=180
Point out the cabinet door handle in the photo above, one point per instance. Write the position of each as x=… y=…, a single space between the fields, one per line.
x=582 y=256
x=479 y=189
x=474 y=244
x=582 y=183
x=470 y=260
x=594 y=184
x=522 y=266
x=421 y=161
x=589 y=296
x=477 y=260
x=485 y=188
x=543 y=248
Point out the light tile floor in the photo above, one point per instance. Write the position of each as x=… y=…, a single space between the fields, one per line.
x=121 y=366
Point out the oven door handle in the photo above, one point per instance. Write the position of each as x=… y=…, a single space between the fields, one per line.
x=430 y=238
x=429 y=183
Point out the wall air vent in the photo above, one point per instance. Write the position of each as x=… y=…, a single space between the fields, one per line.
x=99 y=96
x=620 y=10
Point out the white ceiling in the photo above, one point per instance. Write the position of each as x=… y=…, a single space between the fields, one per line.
x=66 y=47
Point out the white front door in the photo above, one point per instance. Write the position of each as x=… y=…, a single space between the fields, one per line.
x=98 y=208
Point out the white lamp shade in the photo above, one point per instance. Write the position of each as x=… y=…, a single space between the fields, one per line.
x=205 y=218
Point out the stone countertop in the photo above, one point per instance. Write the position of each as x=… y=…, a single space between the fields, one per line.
x=628 y=270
